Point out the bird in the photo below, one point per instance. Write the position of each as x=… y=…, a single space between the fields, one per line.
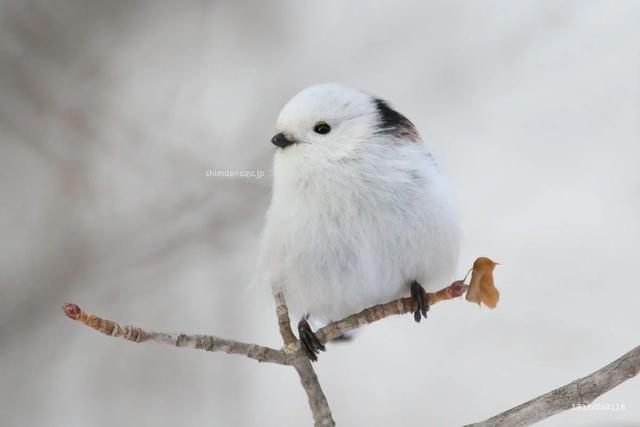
x=360 y=213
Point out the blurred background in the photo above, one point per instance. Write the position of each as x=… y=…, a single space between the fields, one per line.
x=112 y=112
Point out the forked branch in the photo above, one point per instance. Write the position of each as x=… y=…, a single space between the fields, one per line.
x=579 y=392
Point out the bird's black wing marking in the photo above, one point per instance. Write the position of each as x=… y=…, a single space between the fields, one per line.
x=394 y=123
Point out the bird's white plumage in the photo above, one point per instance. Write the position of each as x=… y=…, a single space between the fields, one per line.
x=357 y=214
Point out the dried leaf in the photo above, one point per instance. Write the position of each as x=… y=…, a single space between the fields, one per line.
x=481 y=288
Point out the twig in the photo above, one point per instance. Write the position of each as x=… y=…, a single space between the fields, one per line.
x=291 y=353
x=320 y=409
x=284 y=323
x=379 y=312
x=200 y=342
x=579 y=392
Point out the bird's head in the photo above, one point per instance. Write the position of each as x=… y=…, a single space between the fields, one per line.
x=331 y=120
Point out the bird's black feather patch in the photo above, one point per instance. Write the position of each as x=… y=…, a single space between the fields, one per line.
x=394 y=123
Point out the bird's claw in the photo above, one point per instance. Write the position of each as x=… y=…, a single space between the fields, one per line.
x=309 y=341
x=421 y=301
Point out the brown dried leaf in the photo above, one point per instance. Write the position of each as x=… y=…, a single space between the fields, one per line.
x=481 y=288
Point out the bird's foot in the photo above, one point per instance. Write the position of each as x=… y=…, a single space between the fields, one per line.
x=310 y=342
x=421 y=301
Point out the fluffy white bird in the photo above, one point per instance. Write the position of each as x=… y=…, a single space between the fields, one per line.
x=360 y=213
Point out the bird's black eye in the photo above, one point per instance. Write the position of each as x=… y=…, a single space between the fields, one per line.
x=322 y=128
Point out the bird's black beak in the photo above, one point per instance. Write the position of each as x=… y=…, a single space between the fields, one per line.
x=280 y=140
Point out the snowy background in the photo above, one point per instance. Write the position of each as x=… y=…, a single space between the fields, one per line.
x=111 y=112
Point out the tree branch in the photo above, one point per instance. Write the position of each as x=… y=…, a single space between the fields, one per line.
x=381 y=311
x=317 y=400
x=284 y=323
x=579 y=392
x=320 y=409
x=291 y=353
x=200 y=342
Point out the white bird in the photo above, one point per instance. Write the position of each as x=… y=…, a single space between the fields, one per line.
x=360 y=213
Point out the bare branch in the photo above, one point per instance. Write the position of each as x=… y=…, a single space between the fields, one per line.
x=580 y=392
x=291 y=354
x=284 y=323
x=317 y=400
x=200 y=342
x=381 y=311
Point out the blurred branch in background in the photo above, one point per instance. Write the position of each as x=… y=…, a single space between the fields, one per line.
x=578 y=393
